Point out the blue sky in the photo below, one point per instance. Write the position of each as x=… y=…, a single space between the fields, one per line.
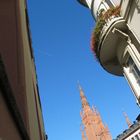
x=61 y=32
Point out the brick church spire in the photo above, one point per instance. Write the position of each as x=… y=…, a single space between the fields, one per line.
x=92 y=127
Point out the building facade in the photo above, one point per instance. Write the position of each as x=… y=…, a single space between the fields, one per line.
x=116 y=38
x=20 y=106
x=132 y=133
x=92 y=127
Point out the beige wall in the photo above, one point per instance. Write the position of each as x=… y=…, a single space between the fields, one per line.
x=134 y=18
x=34 y=109
x=15 y=49
x=130 y=10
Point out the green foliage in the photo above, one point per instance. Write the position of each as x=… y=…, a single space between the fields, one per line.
x=101 y=21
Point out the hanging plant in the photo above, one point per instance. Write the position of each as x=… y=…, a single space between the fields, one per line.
x=101 y=21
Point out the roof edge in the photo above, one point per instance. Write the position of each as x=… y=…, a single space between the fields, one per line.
x=83 y=3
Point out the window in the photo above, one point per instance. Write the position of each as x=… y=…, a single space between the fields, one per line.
x=132 y=74
x=137 y=71
x=137 y=137
x=133 y=69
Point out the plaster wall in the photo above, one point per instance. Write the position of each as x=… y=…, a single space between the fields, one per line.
x=16 y=52
x=33 y=106
x=130 y=10
x=8 y=129
x=11 y=52
x=133 y=18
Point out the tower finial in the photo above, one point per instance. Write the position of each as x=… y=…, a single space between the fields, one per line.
x=79 y=86
x=82 y=96
x=127 y=119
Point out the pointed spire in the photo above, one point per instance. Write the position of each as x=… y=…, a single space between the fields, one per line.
x=92 y=127
x=127 y=119
x=82 y=96
x=79 y=86
x=81 y=90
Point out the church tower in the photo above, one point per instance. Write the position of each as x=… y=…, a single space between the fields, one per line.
x=92 y=127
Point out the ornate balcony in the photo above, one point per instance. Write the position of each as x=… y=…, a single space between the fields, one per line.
x=105 y=44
